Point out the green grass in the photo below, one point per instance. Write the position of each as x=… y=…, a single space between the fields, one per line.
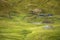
x=18 y=29
x=22 y=28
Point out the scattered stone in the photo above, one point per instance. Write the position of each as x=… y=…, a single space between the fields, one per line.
x=48 y=27
x=50 y=15
x=47 y=22
x=37 y=23
x=42 y=14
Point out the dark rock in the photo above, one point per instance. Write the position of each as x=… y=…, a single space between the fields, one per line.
x=50 y=15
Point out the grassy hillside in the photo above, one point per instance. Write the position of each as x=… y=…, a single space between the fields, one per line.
x=17 y=24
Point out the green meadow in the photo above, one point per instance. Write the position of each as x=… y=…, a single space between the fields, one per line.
x=16 y=22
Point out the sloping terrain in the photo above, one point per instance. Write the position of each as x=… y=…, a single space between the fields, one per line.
x=18 y=24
